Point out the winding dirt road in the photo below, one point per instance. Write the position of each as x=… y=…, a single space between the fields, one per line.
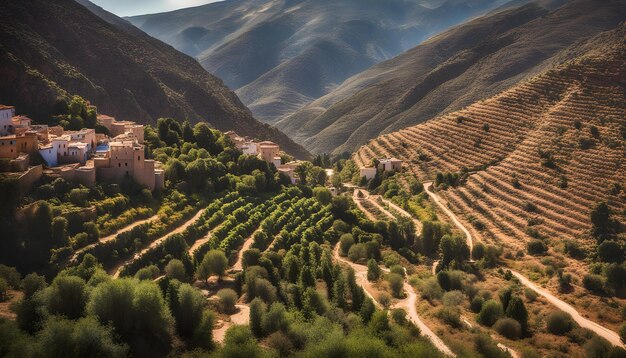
x=408 y=303
x=600 y=330
x=451 y=215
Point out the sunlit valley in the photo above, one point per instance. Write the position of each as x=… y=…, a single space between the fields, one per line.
x=299 y=178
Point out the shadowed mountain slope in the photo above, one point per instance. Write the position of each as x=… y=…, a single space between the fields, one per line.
x=281 y=54
x=50 y=49
x=448 y=72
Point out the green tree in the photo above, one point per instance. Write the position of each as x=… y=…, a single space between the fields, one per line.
x=367 y=310
x=257 y=310
x=33 y=283
x=228 y=299
x=396 y=283
x=67 y=296
x=517 y=310
x=213 y=263
x=322 y=195
x=190 y=313
x=59 y=231
x=373 y=270
x=490 y=312
x=175 y=269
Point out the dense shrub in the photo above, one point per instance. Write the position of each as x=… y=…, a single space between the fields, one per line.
x=559 y=322
x=490 y=312
x=396 y=282
x=228 y=299
x=536 y=247
x=594 y=283
x=509 y=328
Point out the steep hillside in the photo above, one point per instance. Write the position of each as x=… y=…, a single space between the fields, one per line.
x=281 y=54
x=53 y=48
x=448 y=72
x=538 y=156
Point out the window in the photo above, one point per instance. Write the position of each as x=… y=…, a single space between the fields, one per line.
x=119 y=164
x=125 y=164
x=138 y=157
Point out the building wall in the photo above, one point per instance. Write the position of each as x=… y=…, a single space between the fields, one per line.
x=27 y=143
x=8 y=148
x=49 y=154
x=85 y=176
x=30 y=176
x=368 y=173
x=269 y=152
x=6 y=122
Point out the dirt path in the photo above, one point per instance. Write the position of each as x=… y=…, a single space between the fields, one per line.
x=114 y=235
x=358 y=202
x=602 y=331
x=408 y=303
x=451 y=215
x=118 y=268
x=418 y=224
x=238 y=266
x=240 y=318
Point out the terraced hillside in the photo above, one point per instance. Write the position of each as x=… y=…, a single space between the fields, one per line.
x=450 y=71
x=538 y=157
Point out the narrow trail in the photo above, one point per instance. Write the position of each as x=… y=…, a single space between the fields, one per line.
x=408 y=303
x=359 y=203
x=451 y=215
x=117 y=269
x=418 y=224
x=238 y=266
x=113 y=235
x=600 y=330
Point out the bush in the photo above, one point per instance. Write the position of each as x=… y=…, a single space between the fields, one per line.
x=536 y=247
x=509 y=328
x=622 y=332
x=559 y=323
x=345 y=243
x=384 y=299
x=4 y=289
x=396 y=282
x=228 y=298
x=450 y=316
x=594 y=283
x=490 y=312
x=530 y=294
x=453 y=298
x=431 y=290
x=33 y=283
x=477 y=304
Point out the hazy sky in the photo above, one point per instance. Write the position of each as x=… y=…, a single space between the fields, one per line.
x=140 y=7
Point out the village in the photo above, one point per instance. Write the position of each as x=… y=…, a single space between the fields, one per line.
x=29 y=151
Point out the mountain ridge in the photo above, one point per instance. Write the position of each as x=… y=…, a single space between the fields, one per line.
x=51 y=49
x=399 y=92
x=260 y=47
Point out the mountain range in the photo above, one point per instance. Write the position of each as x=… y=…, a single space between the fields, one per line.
x=450 y=71
x=282 y=54
x=51 y=49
